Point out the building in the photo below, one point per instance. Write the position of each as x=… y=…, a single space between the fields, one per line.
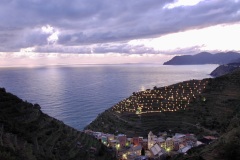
x=176 y=144
x=110 y=137
x=140 y=139
x=104 y=140
x=169 y=144
x=161 y=142
x=145 y=144
x=135 y=141
x=122 y=138
x=185 y=149
x=156 y=151
x=152 y=139
x=179 y=137
x=129 y=142
x=135 y=150
x=113 y=143
x=97 y=135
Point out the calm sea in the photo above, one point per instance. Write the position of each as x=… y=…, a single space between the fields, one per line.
x=77 y=94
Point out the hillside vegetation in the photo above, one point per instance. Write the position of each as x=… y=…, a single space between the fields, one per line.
x=203 y=107
x=28 y=134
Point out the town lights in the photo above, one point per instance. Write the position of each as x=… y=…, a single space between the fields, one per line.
x=174 y=98
x=118 y=146
x=124 y=156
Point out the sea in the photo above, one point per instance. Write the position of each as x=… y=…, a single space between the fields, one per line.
x=77 y=94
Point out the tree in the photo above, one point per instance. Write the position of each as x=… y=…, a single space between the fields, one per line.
x=143 y=152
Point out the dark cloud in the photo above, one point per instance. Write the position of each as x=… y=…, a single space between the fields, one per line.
x=123 y=48
x=89 y=22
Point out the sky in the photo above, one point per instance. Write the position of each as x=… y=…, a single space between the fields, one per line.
x=50 y=32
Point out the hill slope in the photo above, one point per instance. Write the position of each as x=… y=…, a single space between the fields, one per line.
x=179 y=107
x=225 y=69
x=203 y=107
x=27 y=133
x=204 y=58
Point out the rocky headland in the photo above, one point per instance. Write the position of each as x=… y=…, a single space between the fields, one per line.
x=227 y=68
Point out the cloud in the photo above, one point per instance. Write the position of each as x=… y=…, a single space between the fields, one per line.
x=214 y=38
x=180 y=3
x=122 y=48
x=30 y=59
x=104 y=26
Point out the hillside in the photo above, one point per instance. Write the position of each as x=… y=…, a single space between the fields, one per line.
x=27 y=133
x=204 y=58
x=203 y=107
x=227 y=147
x=225 y=69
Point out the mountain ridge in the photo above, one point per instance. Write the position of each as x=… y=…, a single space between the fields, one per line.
x=204 y=58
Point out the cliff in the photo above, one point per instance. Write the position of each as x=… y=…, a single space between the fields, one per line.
x=27 y=133
x=204 y=58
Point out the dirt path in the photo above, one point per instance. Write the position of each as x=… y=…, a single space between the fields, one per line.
x=197 y=126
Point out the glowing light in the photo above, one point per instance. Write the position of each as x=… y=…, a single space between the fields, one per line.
x=118 y=146
x=150 y=102
x=124 y=156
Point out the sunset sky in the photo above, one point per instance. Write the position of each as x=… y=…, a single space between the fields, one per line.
x=49 y=32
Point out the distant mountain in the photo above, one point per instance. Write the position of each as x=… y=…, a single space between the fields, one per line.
x=204 y=58
x=236 y=61
x=28 y=134
x=228 y=68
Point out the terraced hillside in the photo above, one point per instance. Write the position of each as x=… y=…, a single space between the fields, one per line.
x=171 y=98
x=197 y=106
x=27 y=133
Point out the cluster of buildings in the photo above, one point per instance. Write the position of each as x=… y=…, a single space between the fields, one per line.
x=151 y=147
x=180 y=143
x=171 y=98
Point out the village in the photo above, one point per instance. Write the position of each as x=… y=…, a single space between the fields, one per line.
x=163 y=144
x=152 y=147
